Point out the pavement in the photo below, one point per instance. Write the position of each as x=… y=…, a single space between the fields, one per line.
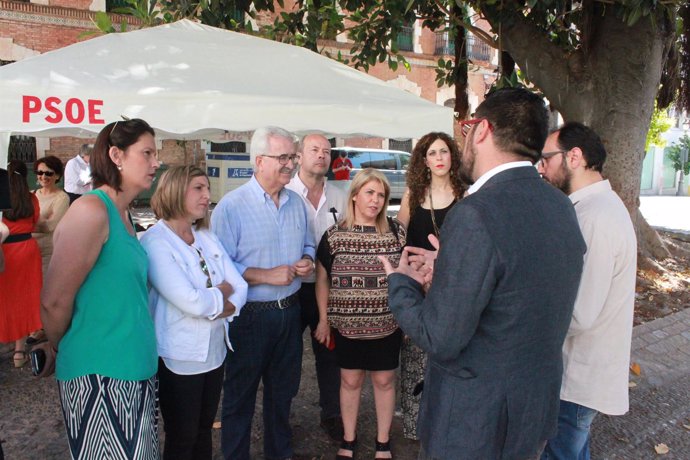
x=31 y=425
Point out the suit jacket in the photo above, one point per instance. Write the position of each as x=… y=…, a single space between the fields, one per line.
x=494 y=320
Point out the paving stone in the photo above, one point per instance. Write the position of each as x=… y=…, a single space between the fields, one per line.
x=660 y=334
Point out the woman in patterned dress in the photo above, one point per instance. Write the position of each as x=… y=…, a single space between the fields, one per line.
x=352 y=296
x=433 y=187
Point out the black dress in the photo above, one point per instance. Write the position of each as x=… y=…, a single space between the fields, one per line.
x=412 y=358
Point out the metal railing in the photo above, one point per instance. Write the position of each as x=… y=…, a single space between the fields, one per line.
x=405 y=39
x=477 y=50
x=444 y=44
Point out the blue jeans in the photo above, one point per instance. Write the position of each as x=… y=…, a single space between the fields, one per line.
x=572 y=440
x=327 y=370
x=268 y=347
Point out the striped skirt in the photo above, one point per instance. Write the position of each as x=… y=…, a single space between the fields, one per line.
x=110 y=418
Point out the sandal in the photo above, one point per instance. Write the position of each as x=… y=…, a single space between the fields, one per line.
x=20 y=362
x=347 y=445
x=383 y=447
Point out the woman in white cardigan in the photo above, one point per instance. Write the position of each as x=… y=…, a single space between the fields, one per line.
x=195 y=291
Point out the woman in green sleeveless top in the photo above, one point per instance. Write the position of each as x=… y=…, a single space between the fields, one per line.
x=95 y=306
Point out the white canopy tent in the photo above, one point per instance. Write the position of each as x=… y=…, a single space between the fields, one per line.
x=192 y=81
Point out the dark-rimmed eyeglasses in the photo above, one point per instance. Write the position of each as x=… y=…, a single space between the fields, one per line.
x=466 y=125
x=284 y=158
x=204 y=269
x=45 y=173
x=546 y=155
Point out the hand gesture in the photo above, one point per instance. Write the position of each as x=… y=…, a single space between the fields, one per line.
x=322 y=333
x=304 y=267
x=281 y=275
x=404 y=267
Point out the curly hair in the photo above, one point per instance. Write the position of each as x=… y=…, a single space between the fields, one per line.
x=418 y=179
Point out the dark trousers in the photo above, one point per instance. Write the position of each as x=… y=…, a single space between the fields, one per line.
x=268 y=348
x=188 y=404
x=327 y=370
x=72 y=197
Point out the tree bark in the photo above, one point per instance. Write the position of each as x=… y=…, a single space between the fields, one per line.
x=462 y=104
x=611 y=89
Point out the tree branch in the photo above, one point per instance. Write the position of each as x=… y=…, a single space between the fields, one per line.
x=544 y=63
x=476 y=31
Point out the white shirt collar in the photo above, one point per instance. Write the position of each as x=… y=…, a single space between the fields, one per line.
x=492 y=172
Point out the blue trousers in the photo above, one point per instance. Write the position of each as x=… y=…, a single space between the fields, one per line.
x=268 y=348
x=572 y=440
x=327 y=370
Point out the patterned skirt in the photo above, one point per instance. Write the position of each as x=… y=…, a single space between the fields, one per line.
x=412 y=368
x=111 y=418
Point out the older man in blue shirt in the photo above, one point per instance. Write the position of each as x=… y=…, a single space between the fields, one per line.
x=264 y=228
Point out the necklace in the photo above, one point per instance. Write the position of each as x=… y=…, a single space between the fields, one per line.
x=433 y=217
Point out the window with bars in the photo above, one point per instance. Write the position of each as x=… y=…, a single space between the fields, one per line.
x=229 y=147
x=404 y=145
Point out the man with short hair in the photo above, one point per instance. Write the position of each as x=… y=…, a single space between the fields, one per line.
x=325 y=205
x=342 y=166
x=495 y=316
x=78 y=174
x=265 y=230
x=596 y=352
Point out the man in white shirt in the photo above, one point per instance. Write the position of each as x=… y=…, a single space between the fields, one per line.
x=596 y=352
x=325 y=205
x=78 y=174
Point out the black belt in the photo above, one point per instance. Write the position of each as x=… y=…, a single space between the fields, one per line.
x=17 y=237
x=272 y=305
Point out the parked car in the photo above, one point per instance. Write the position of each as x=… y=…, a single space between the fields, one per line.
x=392 y=163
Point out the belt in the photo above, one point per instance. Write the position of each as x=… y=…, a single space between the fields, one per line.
x=17 y=237
x=280 y=304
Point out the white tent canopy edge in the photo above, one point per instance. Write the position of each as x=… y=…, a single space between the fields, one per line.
x=192 y=81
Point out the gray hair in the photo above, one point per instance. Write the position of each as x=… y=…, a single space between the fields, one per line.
x=85 y=150
x=259 y=142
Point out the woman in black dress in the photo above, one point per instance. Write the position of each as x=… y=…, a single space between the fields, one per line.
x=433 y=187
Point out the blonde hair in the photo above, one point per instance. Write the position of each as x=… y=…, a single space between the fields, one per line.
x=168 y=201
x=361 y=179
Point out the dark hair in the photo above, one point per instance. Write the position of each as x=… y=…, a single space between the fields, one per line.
x=418 y=180
x=519 y=119
x=20 y=196
x=121 y=134
x=574 y=134
x=53 y=163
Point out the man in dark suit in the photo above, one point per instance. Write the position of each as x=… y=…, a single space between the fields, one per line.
x=495 y=317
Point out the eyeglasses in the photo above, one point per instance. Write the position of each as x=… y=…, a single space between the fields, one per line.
x=45 y=173
x=284 y=158
x=546 y=155
x=204 y=268
x=466 y=125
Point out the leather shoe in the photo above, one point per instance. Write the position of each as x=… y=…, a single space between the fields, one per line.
x=333 y=427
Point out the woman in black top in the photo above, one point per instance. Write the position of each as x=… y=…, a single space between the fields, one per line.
x=433 y=187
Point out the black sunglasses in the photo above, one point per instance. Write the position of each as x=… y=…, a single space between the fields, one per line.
x=46 y=173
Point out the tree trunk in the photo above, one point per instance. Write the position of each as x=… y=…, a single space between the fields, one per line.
x=462 y=104
x=611 y=89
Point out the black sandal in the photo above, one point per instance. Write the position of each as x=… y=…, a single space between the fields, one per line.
x=383 y=447
x=347 y=445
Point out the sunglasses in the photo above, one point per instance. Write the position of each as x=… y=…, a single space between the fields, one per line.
x=45 y=173
x=466 y=125
x=204 y=269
